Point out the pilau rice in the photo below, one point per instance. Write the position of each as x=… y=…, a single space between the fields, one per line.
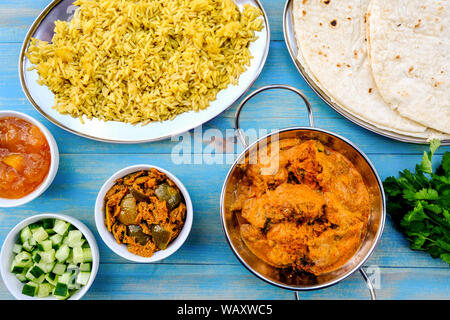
x=147 y=60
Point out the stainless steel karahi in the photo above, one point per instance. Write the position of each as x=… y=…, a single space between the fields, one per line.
x=118 y=132
x=279 y=277
x=289 y=38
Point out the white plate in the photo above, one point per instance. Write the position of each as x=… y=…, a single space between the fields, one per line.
x=113 y=131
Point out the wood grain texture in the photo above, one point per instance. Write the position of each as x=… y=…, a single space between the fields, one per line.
x=80 y=177
x=270 y=110
x=194 y=281
x=205 y=267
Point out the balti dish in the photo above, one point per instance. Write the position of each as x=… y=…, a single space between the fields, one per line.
x=309 y=215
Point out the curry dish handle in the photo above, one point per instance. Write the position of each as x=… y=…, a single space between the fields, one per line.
x=242 y=138
x=368 y=282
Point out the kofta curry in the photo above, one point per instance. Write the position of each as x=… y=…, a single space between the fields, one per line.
x=310 y=214
x=145 y=210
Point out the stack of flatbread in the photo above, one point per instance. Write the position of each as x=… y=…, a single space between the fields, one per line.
x=384 y=61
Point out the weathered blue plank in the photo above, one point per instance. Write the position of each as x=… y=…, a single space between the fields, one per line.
x=168 y=281
x=80 y=177
x=271 y=110
x=205 y=267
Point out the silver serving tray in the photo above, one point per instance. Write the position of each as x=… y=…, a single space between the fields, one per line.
x=118 y=132
x=289 y=38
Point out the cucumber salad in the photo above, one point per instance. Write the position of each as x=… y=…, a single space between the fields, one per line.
x=52 y=257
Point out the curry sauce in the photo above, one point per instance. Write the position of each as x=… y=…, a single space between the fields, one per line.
x=24 y=157
x=310 y=214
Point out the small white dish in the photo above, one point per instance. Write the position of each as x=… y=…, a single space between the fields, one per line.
x=54 y=164
x=121 y=249
x=6 y=256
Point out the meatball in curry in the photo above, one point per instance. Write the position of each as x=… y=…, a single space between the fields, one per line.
x=310 y=214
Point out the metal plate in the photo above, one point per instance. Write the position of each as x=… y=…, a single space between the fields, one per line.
x=280 y=277
x=289 y=38
x=230 y=221
x=113 y=131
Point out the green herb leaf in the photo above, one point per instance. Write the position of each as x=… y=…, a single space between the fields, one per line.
x=419 y=204
x=445 y=164
x=445 y=257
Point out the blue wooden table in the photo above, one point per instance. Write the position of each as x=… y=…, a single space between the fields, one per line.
x=205 y=267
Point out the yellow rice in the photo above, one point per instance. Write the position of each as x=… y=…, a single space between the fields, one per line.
x=138 y=61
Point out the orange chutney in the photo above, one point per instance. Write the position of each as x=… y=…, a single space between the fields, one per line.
x=24 y=157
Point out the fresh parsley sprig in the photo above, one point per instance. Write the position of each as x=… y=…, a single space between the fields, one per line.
x=419 y=204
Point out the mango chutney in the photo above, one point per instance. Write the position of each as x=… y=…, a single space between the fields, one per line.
x=24 y=157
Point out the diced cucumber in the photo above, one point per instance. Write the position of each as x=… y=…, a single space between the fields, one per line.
x=29 y=276
x=75 y=244
x=44 y=290
x=83 y=278
x=23 y=257
x=48 y=223
x=63 y=253
x=85 y=267
x=59 y=268
x=15 y=268
x=73 y=268
x=48 y=256
x=45 y=245
x=17 y=248
x=65 y=297
x=25 y=264
x=21 y=277
x=61 y=227
x=36 y=256
x=74 y=236
x=65 y=278
x=36 y=271
x=32 y=241
x=56 y=239
x=25 y=234
x=78 y=255
x=38 y=280
x=47 y=267
x=65 y=240
x=52 y=278
x=30 y=289
x=87 y=255
x=20 y=266
x=27 y=246
x=39 y=234
x=52 y=257
x=50 y=232
x=70 y=258
x=61 y=290
x=35 y=225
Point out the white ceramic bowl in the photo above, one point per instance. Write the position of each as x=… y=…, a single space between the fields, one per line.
x=121 y=249
x=6 y=256
x=53 y=164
